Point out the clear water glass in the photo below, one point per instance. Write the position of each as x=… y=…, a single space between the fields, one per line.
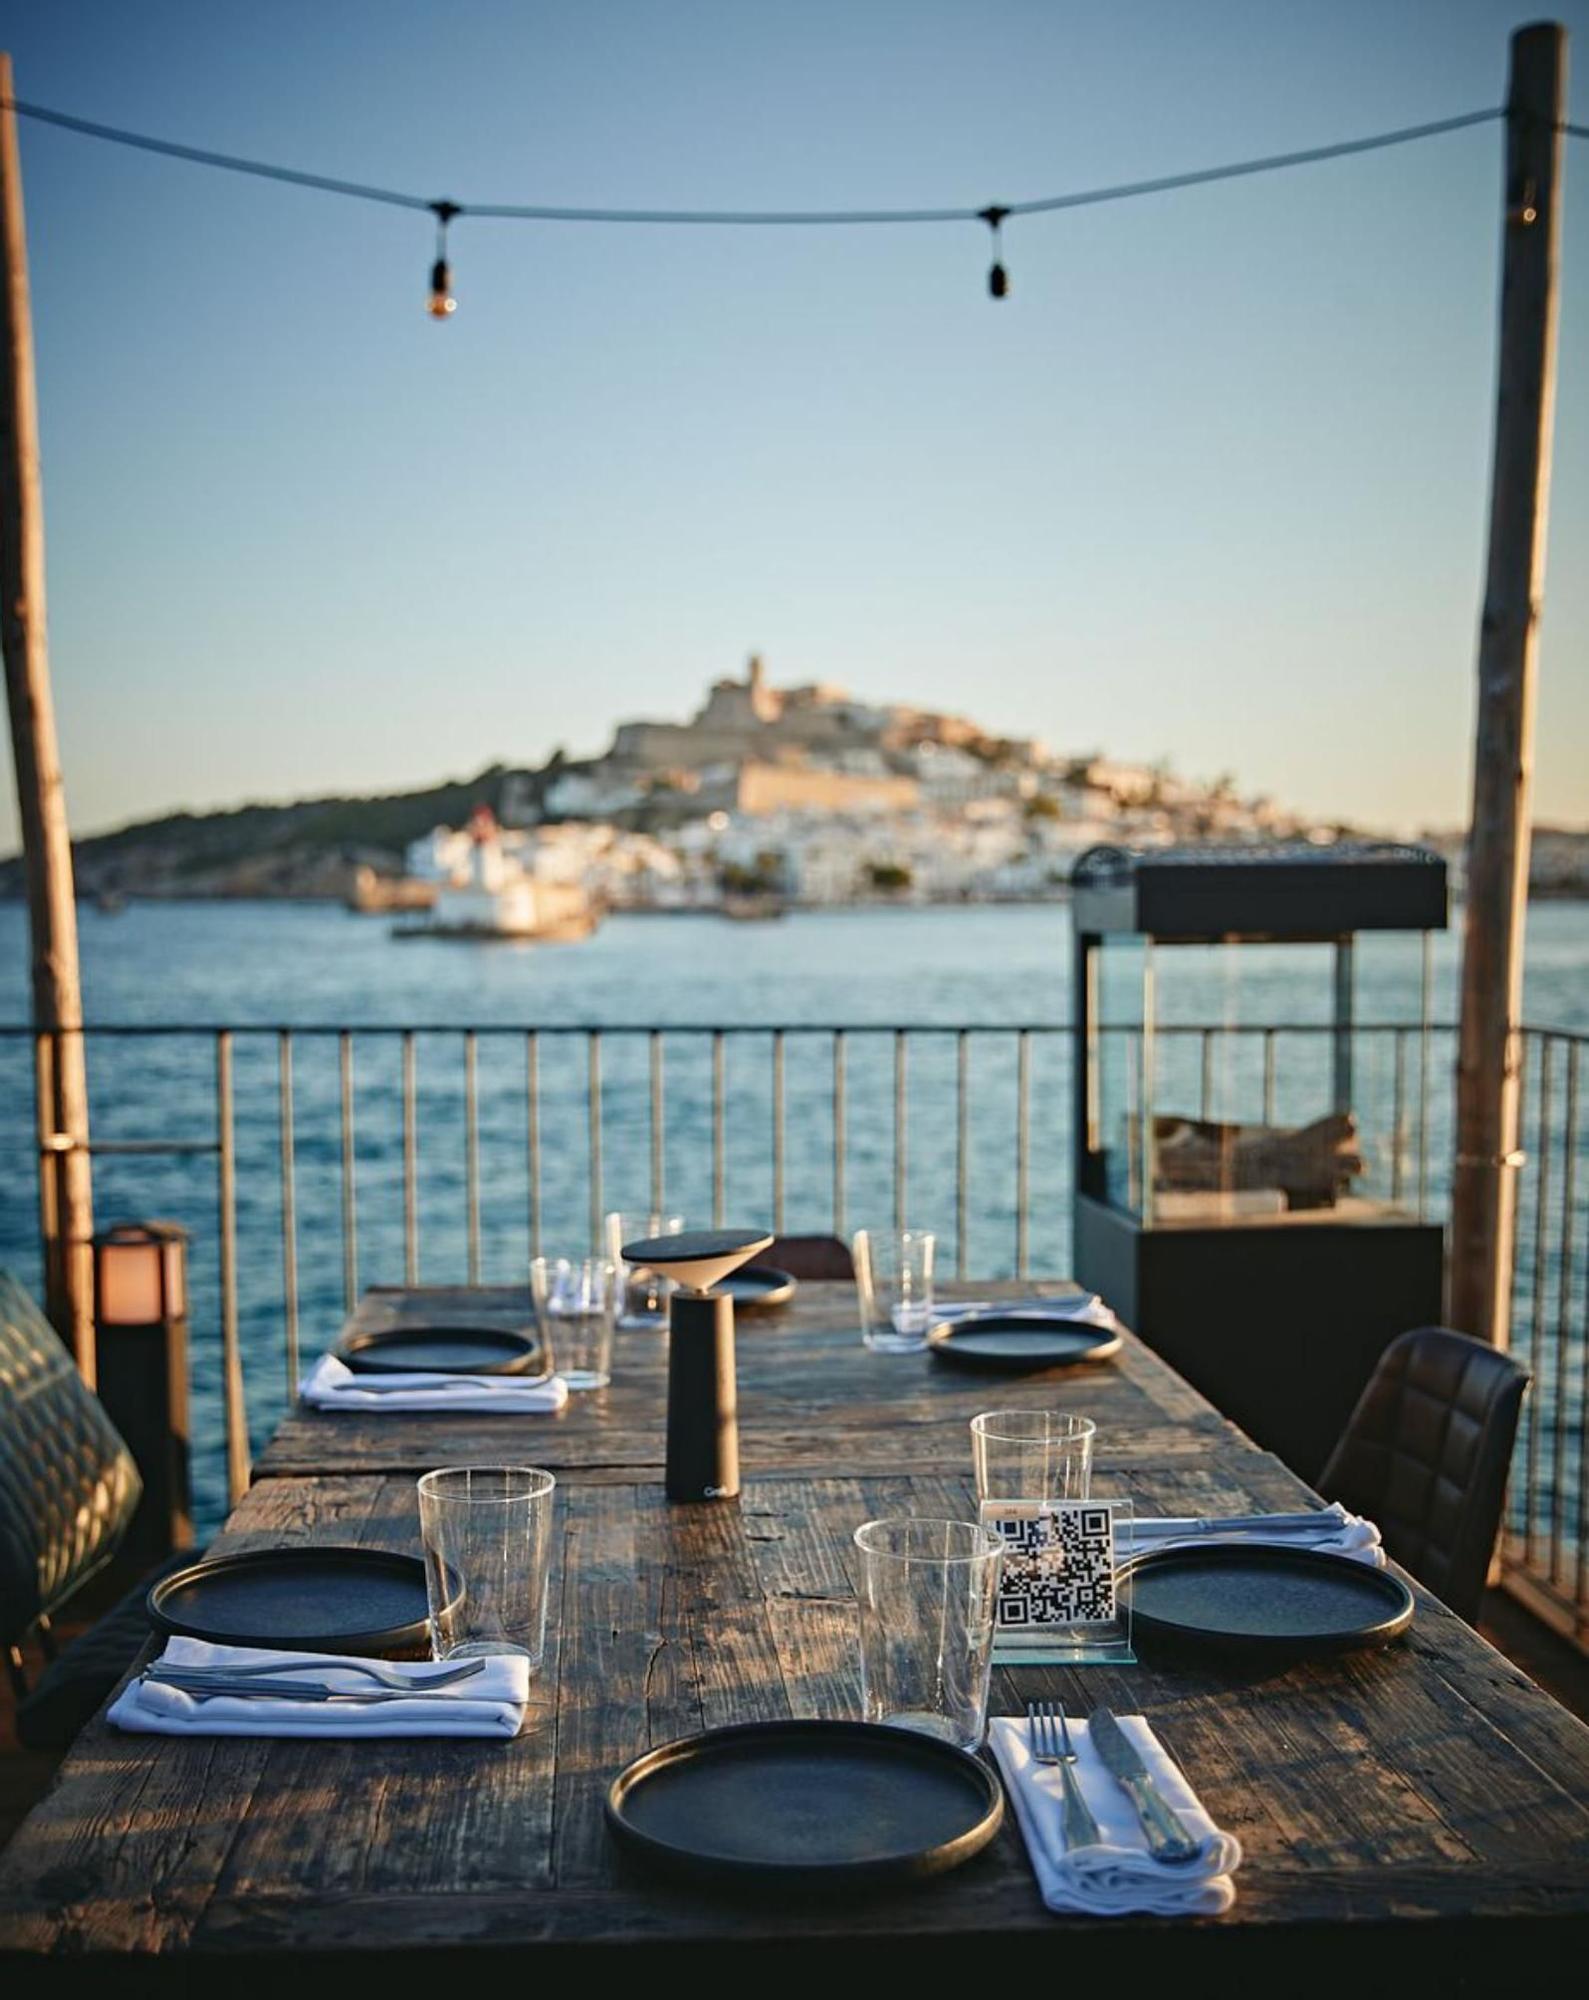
x=893 y=1276
x=487 y=1536
x=927 y=1592
x=1032 y=1455
x=645 y=1292
x=576 y=1309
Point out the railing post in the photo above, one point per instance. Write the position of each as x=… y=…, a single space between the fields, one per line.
x=410 y=1159
x=1023 y=1146
x=838 y=1131
x=1341 y=1084
x=962 y=1135
x=1483 y=1182
x=471 y=1153
x=658 y=1125
x=593 y=1107
x=532 y=1135
x=350 y=1190
x=289 y=1210
x=719 y=1129
x=901 y=1162
x=232 y=1389
x=777 y=1130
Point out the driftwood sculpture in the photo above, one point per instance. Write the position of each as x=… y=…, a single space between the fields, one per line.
x=1312 y=1165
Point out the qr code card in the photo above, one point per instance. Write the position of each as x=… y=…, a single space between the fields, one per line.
x=1059 y=1565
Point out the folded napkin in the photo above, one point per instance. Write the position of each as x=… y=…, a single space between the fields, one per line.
x=1086 y=1308
x=1117 y=1876
x=1331 y=1530
x=490 y=1703
x=332 y=1385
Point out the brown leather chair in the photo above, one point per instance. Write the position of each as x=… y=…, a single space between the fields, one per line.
x=1425 y=1454
x=810 y=1257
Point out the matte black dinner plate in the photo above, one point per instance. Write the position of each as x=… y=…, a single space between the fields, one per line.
x=819 y=1805
x=315 y=1600
x=1020 y=1343
x=1243 y=1597
x=757 y=1285
x=440 y=1350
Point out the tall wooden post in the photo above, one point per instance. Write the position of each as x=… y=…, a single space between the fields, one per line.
x=1484 y=1179
x=65 y=1191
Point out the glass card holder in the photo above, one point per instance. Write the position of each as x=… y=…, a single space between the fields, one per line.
x=1065 y=1592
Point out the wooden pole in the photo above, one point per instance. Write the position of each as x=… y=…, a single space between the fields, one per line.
x=1484 y=1179
x=66 y=1209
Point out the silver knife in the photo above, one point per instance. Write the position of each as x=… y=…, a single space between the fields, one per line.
x=217 y=1689
x=1168 y=1840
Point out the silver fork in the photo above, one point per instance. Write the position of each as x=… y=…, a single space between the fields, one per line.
x=386 y=1676
x=1048 y=1732
x=292 y=1680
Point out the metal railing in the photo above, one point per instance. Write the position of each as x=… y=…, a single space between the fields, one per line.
x=309 y=1161
x=1545 y=1547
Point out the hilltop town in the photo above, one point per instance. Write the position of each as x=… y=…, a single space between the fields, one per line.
x=766 y=797
x=809 y=796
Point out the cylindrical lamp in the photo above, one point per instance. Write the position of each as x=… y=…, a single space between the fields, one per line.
x=141 y=1339
x=703 y=1416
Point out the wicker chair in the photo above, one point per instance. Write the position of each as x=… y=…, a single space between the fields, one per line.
x=68 y=1488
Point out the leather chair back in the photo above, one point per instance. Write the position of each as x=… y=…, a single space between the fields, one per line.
x=1425 y=1454
x=810 y=1257
x=68 y=1485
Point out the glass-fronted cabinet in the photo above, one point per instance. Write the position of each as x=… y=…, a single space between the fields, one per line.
x=1253 y=1069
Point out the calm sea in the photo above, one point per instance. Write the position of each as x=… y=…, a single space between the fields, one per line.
x=270 y=965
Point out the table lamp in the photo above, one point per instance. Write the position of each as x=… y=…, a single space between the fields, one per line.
x=703 y=1424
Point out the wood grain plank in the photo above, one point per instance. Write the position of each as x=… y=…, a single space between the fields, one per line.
x=811 y=1396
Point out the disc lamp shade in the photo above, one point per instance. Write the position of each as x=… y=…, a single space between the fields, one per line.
x=140 y=1274
x=698 y=1258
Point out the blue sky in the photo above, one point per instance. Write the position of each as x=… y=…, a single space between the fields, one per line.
x=1210 y=484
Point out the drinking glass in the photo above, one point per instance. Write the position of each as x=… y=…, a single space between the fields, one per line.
x=1032 y=1455
x=487 y=1535
x=645 y=1292
x=927 y=1591
x=576 y=1305
x=893 y=1275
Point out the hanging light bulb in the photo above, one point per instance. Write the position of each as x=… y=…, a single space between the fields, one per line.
x=998 y=277
x=442 y=303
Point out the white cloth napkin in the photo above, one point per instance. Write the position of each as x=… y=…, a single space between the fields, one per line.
x=1086 y=1308
x=490 y=1703
x=1117 y=1876
x=1331 y=1530
x=332 y=1385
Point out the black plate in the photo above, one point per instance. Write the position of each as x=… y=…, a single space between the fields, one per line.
x=806 y=1804
x=1020 y=1343
x=1245 y=1598
x=313 y=1600
x=440 y=1350
x=756 y=1285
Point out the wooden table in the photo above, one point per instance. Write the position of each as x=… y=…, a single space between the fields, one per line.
x=1417 y=1817
x=812 y=1399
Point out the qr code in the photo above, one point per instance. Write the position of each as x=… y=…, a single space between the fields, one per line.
x=1058 y=1567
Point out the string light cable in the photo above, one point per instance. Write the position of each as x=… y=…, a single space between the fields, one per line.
x=992 y=216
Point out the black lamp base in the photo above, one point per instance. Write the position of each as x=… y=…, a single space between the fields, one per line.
x=703 y=1424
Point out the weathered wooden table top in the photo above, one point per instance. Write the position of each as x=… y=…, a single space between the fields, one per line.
x=811 y=1399
x=1416 y=1816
